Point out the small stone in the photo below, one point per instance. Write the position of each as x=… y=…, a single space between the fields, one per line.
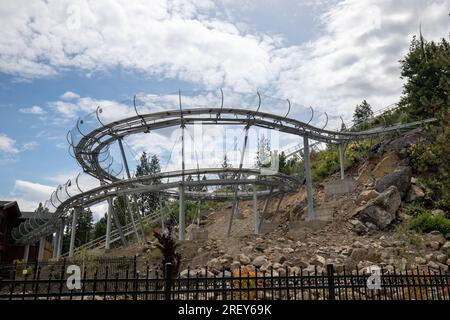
x=357 y=244
x=420 y=260
x=433 y=245
x=235 y=265
x=243 y=259
x=438 y=212
x=367 y=195
x=259 y=261
x=433 y=265
x=446 y=246
x=429 y=257
x=276 y=265
x=288 y=250
x=414 y=193
x=442 y=258
x=318 y=260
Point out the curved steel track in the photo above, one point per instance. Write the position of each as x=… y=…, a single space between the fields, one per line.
x=92 y=145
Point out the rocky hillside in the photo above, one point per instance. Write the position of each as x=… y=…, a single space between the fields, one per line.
x=366 y=226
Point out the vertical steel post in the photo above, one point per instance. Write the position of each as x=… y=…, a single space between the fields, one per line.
x=181 y=214
x=309 y=191
x=74 y=231
x=108 y=227
x=266 y=206
x=60 y=239
x=127 y=171
x=238 y=176
x=341 y=159
x=26 y=253
x=255 y=210
x=278 y=207
x=181 y=217
x=161 y=211
x=55 y=243
x=117 y=222
x=41 y=249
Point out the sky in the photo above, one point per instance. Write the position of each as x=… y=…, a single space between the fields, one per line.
x=60 y=60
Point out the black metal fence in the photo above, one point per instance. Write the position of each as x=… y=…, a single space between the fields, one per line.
x=125 y=279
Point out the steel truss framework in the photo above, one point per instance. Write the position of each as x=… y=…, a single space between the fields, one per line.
x=92 y=138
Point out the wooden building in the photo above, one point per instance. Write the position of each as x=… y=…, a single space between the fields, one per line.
x=11 y=217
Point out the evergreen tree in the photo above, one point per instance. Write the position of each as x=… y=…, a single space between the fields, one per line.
x=426 y=69
x=100 y=227
x=41 y=209
x=225 y=165
x=282 y=163
x=148 y=202
x=263 y=152
x=84 y=227
x=120 y=207
x=190 y=179
x=362 y=112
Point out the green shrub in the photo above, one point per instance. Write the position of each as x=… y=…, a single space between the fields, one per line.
x=426 y=222
x=414 y=209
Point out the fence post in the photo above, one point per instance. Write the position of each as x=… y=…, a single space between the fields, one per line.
x=168 y=280
x=330 y=274
x=135 y=284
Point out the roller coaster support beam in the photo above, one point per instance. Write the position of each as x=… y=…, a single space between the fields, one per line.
x=278 y=207
x=255 y=210
x=55 y=244
x=236 y=188
x=181 y=215
x=26 y=253
x=309 y=190
x=60 y=239
x=341 y=159
x=117 y=222
x=264 y=212
x=127 y=171
x=75 y=213
x=161 y=211
x=41 y=249
x=108 y=227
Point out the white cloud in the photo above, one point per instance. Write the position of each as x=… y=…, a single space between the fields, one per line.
x=7 y=145
x=166 y=38
x=28 y=194
x=354 y=56
x=33 y=110
x=69 y=95
x=28 y=146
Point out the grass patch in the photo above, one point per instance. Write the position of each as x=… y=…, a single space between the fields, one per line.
x=426 y=222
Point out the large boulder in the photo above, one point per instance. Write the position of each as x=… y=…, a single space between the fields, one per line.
x=381 y=211
x=401 y=178
x=414 y=193
x=367 y=195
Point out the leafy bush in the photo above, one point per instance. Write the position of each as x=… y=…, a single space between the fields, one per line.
x=430 y=158
x=414 y=209
x=426 y=222
x=425 y=157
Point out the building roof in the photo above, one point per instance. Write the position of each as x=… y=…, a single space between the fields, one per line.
x=9 y=206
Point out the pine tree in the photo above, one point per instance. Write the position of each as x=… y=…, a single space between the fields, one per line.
x=148 y=202
x=263 y=152
x=426 y=69
x=225 y=165
x=99 y=229
x=282 y=163
x=84 y=227
x=362 y=112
